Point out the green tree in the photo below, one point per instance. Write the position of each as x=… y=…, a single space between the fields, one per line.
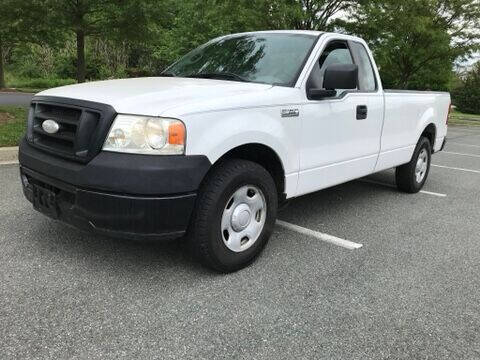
x=83 y=18
x=110 y=19
x=19 y=23
x=307 y=14
x=416 y=41
x=197 y=21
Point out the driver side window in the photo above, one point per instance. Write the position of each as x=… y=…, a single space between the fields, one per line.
x=336 y=52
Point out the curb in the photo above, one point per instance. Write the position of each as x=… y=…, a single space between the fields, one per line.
x=8 y=155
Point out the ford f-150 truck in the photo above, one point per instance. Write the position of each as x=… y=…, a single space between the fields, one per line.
x=225 y=135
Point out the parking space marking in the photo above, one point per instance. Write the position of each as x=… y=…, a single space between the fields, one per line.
x=461 y=154
x=350 y=245
x=433 y=193
x=393 y=186
x=455 y=168
x=8 y=162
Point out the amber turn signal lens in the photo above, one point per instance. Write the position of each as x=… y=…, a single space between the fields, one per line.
x=176 y=134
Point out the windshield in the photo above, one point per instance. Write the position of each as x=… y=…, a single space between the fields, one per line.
x=274 y=59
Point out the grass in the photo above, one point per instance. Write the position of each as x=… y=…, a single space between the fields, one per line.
x=34 y=85
x=459 y=118
x=13 y=120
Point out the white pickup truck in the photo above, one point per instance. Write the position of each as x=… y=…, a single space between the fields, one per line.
x=212 y=147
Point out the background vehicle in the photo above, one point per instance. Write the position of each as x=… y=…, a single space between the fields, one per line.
x=234 y=128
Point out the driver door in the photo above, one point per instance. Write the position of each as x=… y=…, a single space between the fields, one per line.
x=339 y=141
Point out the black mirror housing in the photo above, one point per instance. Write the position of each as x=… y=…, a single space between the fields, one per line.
x=319 y=94
x=341 y=76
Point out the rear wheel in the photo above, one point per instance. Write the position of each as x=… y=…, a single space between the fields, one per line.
x=411 y=177
x=235 y=215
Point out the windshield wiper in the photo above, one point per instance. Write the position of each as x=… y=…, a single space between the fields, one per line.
x=167 y=75
x=220 y=76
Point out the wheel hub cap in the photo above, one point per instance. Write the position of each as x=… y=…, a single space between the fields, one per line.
x=422 y=166
x=243 y=218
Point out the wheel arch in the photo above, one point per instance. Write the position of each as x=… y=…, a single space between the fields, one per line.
x=430 y=132
x=263 y=155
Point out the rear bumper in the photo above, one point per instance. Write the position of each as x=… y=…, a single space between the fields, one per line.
x=129 y=196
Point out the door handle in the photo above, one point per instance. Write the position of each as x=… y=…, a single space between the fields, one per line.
x=362 y=112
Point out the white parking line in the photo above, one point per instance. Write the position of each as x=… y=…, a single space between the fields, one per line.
x=459 y=169
x=433 y=193
x=9 y=162
x=461 y=154
x=320 y=236
x=393 y=186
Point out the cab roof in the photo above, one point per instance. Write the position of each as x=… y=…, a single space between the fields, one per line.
x=299 y=32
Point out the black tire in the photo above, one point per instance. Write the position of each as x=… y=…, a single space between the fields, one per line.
x=405 y=175
x=205 y=237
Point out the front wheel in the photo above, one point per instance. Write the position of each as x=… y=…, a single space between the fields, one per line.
x=411 y=177
x=234 y=216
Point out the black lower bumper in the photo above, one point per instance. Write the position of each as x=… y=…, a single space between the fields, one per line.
x=141 y=215
x=125 y=216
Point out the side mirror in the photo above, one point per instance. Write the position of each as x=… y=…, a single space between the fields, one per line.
x=337 y=76
x=341 y=76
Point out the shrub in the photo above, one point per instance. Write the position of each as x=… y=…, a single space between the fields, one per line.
x=34 y=61
x=44 y=83
x=467 y=96
x=137 y=72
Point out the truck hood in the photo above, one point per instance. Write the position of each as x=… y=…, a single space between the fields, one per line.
x=155 y=96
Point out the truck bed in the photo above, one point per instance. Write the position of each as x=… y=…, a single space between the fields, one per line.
x=407 y=114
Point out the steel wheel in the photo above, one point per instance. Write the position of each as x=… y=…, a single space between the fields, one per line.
x=234 y=216
x=422 y=166
x=243 y=218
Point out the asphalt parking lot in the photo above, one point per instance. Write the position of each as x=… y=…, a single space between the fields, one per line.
x=411 y=292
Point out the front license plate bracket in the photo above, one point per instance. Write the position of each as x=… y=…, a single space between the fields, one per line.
x=45 y=201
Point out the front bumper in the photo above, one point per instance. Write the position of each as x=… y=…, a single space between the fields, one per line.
x=120 y=195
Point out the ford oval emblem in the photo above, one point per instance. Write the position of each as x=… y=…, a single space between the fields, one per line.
x=50 y=126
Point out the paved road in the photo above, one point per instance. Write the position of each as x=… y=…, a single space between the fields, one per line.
x=15 y=98
x=412 y=291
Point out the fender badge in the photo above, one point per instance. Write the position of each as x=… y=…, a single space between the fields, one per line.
x=290 y=113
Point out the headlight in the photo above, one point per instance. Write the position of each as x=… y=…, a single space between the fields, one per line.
x=146 y=135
